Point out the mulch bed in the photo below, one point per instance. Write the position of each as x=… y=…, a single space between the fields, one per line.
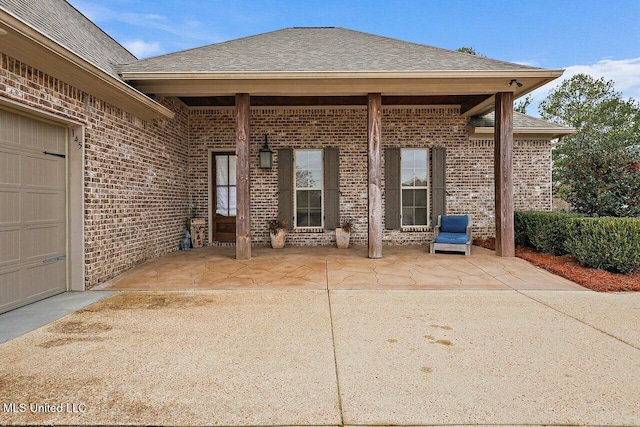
x=568 y=267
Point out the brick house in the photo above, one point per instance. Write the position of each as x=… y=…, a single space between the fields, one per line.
x=103 y=157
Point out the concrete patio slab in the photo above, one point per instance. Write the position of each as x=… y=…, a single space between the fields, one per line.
x=478 y=357
x=403 y=267
x=194 y=358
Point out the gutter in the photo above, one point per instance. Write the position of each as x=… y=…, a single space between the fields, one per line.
x=302 y=75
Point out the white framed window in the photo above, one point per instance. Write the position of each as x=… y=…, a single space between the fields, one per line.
x=308 y=188
x=414 y=198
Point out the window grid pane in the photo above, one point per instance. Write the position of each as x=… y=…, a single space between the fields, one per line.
x=415 y=182
x=308 y=183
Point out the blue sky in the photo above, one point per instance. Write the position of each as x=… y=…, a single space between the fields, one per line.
x=598 y=37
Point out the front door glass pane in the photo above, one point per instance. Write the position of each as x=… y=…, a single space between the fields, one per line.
x=222 y=170
x=222 y=201
x=225 y=185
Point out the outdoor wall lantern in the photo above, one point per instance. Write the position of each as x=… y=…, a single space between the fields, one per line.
x=266 y=155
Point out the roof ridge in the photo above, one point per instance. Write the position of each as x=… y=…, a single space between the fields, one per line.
x=317 y=49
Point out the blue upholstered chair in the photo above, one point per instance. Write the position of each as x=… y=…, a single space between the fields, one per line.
x=453 y=233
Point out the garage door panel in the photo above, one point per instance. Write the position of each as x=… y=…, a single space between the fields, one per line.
x=9 y=127
x=43 y=279
x=30 y=283
x=32 y=210
x=10 y=290
x=42 y=242
x=42 y=171
x=40 y=135
x=9 y=168
x=43 y=206
x=9 y=246
x=9 y=207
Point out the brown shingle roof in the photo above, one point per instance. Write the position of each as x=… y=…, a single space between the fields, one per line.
x=317 y=50
x=64 y=24
x=523 y=123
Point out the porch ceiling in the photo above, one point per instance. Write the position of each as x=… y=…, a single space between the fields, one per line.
x=465 y=101
x=473 y=90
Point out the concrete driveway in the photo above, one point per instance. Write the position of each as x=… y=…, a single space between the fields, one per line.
x=331 y=357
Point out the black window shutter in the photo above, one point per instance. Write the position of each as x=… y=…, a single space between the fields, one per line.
x=392 y=218
x=285 y=185
x=331 y=188
x=438 y=181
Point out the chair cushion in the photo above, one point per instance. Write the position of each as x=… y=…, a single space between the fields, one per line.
x=455 y=238
x=454 y=223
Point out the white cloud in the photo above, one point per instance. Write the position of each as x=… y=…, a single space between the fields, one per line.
x=173 y=25
x=142 y=49
x=531 y=63
x=624 y=72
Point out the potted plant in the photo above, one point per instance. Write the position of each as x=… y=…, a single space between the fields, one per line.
x=277 y=232
x=343 y=234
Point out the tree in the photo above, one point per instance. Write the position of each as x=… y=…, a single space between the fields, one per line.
x=521 y=106
x=470 y=50
x=597 y=169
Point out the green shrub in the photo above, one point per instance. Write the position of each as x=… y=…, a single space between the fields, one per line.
x=606 y=243
x=545 y=231
x=520 y=220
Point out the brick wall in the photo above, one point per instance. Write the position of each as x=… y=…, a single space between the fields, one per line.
x=136 y=175
x=469 y=163
x=475 y=184
x=141 y=177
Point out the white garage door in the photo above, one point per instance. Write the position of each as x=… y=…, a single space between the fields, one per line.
x=32 y=210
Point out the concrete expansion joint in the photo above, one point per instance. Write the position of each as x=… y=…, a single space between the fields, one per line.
x=595 y=328
x=335 y=357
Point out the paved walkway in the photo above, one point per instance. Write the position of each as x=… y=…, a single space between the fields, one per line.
x=331 y=357
x=403 y=267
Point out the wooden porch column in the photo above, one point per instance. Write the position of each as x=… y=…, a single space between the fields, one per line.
x=374 y=142
x=503 y=174
x=243 y=195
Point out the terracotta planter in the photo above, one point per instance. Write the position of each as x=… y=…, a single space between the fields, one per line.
x=342 y=238
x=277 y=240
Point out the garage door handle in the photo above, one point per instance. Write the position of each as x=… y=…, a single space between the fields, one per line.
x=55 y=259
x=54 y=154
